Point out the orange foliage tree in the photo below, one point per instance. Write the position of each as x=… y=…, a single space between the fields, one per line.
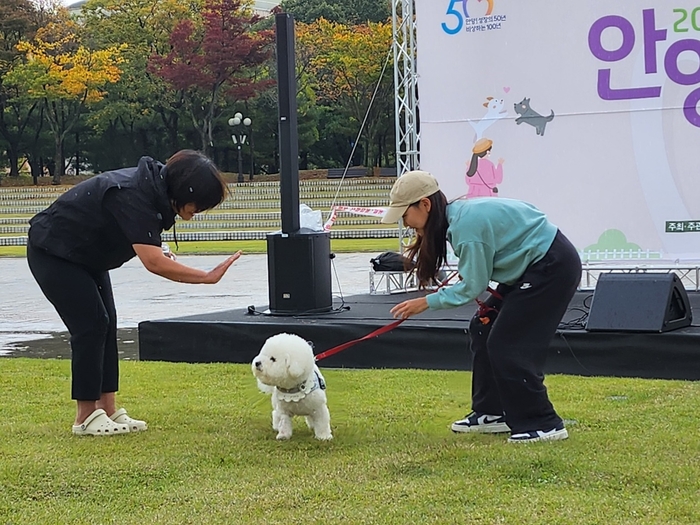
x=66 y=76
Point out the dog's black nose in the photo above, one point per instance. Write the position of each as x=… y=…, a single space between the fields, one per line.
x=257 y=364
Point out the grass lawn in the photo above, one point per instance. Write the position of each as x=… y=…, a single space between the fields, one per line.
x=230 y=247
x=210 y=455
x=13 y=251
x=337 y=246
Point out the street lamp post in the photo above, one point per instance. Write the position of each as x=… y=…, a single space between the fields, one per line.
x=240 y=127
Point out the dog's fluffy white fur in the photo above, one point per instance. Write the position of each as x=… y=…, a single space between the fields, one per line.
x=286 y=368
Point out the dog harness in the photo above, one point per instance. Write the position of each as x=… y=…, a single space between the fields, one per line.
x=303 y=389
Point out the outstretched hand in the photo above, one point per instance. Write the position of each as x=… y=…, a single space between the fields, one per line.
x=215 y=275
x=409 y=308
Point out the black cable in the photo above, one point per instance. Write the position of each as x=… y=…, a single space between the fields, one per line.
x=572 y=353
x=334 y=311
x=575 y=324
x=337 y=279
x=253 y=311
x=580 y=322
x=342 y=308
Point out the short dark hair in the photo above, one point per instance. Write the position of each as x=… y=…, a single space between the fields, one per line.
x=193 y=178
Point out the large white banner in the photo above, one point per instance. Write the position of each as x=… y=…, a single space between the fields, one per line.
x=590 y=111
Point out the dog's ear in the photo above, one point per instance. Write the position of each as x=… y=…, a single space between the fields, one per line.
x=294 y=366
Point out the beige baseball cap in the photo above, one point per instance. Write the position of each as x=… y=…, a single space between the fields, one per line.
x=410 y=187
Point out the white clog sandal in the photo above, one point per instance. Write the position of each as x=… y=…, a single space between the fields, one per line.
x=99 y=424
x=135 y=425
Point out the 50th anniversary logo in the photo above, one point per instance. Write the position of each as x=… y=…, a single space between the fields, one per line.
x=461 y=17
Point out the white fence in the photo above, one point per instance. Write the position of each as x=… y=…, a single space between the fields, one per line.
x=625 y=255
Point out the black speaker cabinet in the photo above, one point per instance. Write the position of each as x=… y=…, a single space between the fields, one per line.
x=299 y=272
x=639 y=302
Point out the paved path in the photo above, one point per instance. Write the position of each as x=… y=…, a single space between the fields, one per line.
x=26 y=315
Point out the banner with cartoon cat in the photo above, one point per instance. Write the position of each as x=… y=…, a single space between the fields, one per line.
x=589 y=110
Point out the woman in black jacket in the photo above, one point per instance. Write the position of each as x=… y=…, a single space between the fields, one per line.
x=97 y=226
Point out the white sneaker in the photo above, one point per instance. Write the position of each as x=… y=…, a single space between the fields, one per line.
x=555 y=434
x=482 y=423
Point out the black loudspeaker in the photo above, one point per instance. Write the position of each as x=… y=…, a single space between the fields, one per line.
x=639 y=302
x=299 y=273
x=287 y=125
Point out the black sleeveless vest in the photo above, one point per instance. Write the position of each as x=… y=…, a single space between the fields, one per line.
x=76 y=227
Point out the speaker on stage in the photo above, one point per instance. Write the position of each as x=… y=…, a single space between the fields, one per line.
x=299 y=272
x=639 y=302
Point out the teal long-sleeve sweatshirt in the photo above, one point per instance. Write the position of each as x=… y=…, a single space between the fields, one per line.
x=495 y=239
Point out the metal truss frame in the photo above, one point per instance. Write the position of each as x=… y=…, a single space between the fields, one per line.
x=689 y=274
x=386 y=283
x=405 y=93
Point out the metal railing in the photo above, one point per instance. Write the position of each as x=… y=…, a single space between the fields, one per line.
x=689 y=274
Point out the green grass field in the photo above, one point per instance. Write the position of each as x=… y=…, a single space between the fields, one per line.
x=229 y=247
x=210 y=456
x=13 y=251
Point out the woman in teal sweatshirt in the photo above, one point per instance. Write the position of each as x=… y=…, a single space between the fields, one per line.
x=537 y=270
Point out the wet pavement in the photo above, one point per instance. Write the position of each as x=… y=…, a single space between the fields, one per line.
x=30 y=327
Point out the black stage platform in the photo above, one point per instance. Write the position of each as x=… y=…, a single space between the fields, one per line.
x=433 y=340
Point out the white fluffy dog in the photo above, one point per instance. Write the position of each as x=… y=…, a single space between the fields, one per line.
x=286 y=368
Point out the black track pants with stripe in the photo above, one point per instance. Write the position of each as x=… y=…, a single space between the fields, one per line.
x=511 y=348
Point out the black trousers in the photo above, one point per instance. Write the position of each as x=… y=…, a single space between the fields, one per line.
x=84 y=300
x=510 y=345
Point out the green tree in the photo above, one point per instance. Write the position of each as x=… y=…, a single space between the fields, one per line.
x=65 y=76
x=17 y=22
x=350 y=12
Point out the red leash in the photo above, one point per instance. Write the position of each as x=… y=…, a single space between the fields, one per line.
x=391 y=326
x=485 y=310
x=340 y=348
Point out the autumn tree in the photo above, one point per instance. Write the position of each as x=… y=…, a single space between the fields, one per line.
x=213 y=64
x=65 y=76
x=141 y=109
x=353 y=77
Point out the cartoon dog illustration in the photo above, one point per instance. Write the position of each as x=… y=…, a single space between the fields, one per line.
x=530 y=116
x=494 y=111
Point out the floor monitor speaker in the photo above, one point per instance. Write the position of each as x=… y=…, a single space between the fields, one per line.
x=639 y=302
